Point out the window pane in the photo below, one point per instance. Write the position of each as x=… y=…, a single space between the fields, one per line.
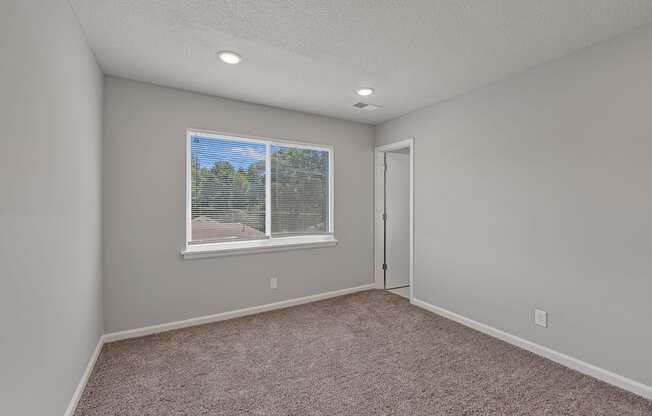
x=228 y=189
x=299 y=191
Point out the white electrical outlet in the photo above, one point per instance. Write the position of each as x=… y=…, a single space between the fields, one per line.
x=541 y=318
x=273 y=283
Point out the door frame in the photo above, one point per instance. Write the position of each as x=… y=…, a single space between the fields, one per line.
x=378 y=209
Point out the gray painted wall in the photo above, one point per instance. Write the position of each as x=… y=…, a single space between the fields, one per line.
x=146 y=281
x=50 y=282
x=536 y=192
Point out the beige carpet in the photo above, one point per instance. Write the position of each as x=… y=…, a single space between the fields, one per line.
x=370 y=353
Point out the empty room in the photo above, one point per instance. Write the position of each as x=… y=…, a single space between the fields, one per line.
x=325 y=207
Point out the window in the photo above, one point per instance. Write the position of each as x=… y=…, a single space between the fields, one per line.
x=250 y=194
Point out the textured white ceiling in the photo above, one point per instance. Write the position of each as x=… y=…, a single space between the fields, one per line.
x=311 y=55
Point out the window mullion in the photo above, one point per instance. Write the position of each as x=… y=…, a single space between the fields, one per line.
x=268 y=190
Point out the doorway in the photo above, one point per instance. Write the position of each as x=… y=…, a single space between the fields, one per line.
x=394 y=192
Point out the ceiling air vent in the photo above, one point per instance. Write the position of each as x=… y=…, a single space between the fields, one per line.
x=366 y=106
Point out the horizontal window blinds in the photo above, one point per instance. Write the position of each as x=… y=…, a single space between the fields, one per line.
x=244 y=188
x=228 y=189
x=300 y=191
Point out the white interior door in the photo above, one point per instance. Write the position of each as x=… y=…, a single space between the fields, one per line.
x=397 y=208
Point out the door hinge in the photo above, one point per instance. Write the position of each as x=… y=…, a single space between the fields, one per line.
x=384 y=217
x=384 y=266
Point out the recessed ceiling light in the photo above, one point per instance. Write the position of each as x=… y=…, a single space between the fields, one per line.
x=365 y=91
x=229 y=57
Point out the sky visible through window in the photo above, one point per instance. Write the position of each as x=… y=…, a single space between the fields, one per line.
x=240 y=154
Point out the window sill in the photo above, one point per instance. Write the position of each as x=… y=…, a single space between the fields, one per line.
x=235 y=248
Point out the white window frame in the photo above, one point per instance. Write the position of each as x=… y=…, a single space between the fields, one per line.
x=269 y=244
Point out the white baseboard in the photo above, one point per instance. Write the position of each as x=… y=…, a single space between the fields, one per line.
x=148 y=330
x=558 y=357
x=84 y=379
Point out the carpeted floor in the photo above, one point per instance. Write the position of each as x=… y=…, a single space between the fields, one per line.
x=370 y=353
